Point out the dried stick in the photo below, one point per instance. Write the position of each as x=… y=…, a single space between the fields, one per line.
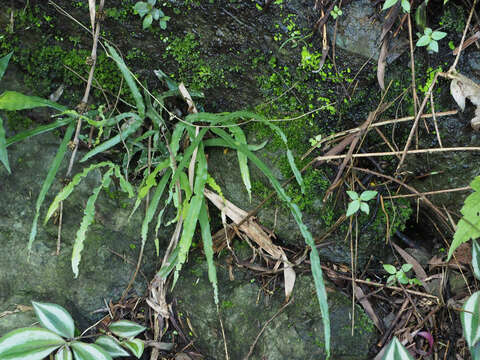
x=453 y=67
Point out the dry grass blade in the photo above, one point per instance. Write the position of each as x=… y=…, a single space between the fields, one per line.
x=255 y=232
x=91 y=7
x=382 y=63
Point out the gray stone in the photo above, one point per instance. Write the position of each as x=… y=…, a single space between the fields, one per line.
x=43 y=276
x=295 y=333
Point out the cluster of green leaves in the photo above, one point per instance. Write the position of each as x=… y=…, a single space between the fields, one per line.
x=57 y=334
x=184 y=191
x=430 y=39
x=359 y=202
x=149 y=12
x=336 y=12
x=400 y=275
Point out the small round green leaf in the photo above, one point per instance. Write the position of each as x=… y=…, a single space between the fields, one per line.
x=401 y=277
x=83 y=351
x=406 y=6
x=365 y=208
x=141 y=8
x=407 y=267
x=136 y=346
x=353 y=195
x=391 y=279
x=423 y=41
x=111 y=345
x=433 y=46
x=29 y=344
x=353 y=207
x=55 y=318
x=64 y=354
x=428 y=31
x=147 y=22
x=470 y=318
x=126 y=328
x=396 y=351
x=156 y=14
x=389 y=268
x=368 y=195
x=388 y=4
x=438 y=35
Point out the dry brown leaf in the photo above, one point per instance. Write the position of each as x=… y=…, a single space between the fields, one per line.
x=368 y=307
x=255 y=232
x=463 y=254
x=461 y=88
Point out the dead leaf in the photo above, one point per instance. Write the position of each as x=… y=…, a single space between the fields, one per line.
x=382 y=63
x=368 y=307
x=463 y=254
x=461 y=88
x=255 y=232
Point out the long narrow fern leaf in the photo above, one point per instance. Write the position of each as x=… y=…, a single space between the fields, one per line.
x=89 y=215
x=52 y=172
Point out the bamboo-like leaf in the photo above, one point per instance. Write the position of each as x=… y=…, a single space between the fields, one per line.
x=89 y=215
x=190 y=225
x=4 y=64
x=202 y=174
x=396 y=351
x=222 y=143
x=29 y=344
x=171 y=263
x=114 y=140
x=124 y=184
x=38 y=130
x=239 y=135
x=176 y=137
x=152 y=207
x=84 y=351
x=111 y=346
x=67 y=190
x=470 y=318
x=126 y=328
x=12 y=101
x=297 y=215
x=3 y=148
x=208 y=248
x=129 y=79
x=47 y=183
x=55 y=318
x=187 y=154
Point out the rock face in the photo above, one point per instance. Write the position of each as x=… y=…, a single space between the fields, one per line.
x=294 y=333
x=42 y=276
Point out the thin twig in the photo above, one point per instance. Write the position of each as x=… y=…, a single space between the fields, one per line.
x=454 y=66
x=394 y=153
x=264 y=327
x=445 y=191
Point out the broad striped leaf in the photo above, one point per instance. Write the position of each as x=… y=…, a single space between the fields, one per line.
x=126 y=328
x=64 y=354
x=29 y=344
x=3 y=148
x=396 y=351
x=136 y=346
x=83 y=351
x=111 y=346
x=470 y=318
x=54 y=318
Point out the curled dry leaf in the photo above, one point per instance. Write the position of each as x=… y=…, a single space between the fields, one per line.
x=461 y=88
